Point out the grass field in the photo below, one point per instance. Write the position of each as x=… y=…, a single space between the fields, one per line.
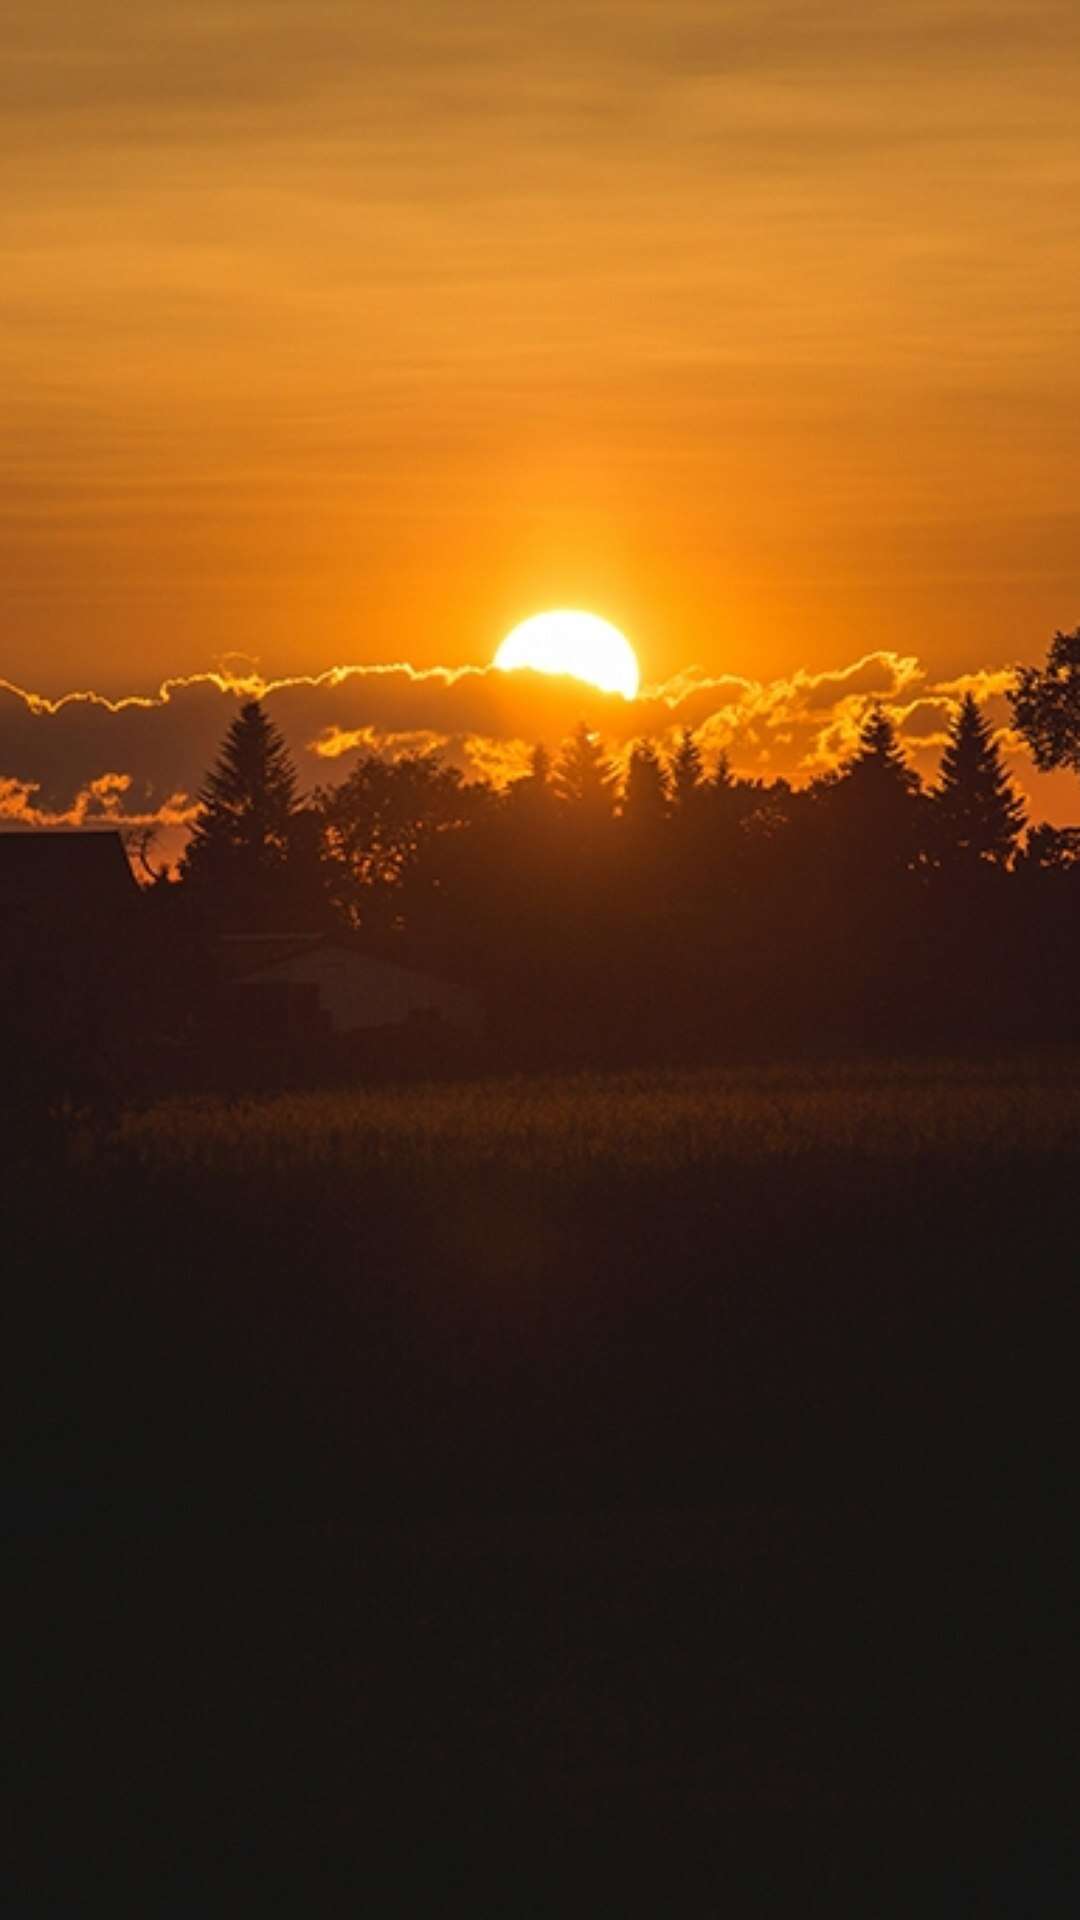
x=626 y=1122
x=636 y=1276
x=670 y=1444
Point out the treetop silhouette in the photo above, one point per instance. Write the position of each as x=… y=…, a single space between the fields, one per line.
x=655 y=905
x=246 y=805
x=1046 y=705
x=687 y=772
x=645 y=794
x=979 y=814
x=584 y=777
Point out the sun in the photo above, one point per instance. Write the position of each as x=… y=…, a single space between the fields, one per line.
x=579 y=644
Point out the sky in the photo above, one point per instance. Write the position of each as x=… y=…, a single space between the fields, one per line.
x=344 y=334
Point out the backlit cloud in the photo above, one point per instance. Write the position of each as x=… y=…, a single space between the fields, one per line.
x=84 y=759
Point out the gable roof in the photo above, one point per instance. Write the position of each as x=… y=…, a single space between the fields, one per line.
x=66 y=875
x=250 y=956
x=245 y=953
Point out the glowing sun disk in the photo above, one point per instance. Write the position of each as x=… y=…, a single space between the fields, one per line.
x=579 y=644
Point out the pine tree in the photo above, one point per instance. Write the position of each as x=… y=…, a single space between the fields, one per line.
x=540 y=766
x=530 y=795
x=876 y=804
x=645 y=794
x=722 y=780
x=686 y=773
x=879 y=761
x=584 y=778
x=730 y=800
x=243 y=831
x=979 y=815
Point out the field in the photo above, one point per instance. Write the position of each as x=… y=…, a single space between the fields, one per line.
x=624 y=1122
x=687 y=1442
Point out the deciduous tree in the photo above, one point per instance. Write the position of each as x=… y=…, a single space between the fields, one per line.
x=1046 y=705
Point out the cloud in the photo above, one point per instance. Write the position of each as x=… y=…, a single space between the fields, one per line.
x=85 y=759
x=101 y=802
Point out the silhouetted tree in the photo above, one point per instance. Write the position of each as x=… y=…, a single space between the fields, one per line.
x=242 y=856
x=722 y=784
x=539 y=766
x=645 y=793
x=879 y=762
x=529 y=799
x=379 y=822
x=874 y=807
x=391 y=843
x=833 y=914
x=1046 y=705
x=139 y=845
x=687 y=773
x=977 y=812
x=584 y=777
x=1052 y=849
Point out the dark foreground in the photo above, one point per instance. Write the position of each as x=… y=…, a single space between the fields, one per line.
x=369 y=1496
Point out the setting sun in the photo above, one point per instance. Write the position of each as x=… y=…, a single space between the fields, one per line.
x=579 y=644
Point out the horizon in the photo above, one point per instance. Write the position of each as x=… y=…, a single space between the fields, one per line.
x=138 y=759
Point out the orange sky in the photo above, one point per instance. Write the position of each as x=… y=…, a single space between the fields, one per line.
x=340 y=332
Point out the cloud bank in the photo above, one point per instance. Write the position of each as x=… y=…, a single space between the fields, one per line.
x=84 y=759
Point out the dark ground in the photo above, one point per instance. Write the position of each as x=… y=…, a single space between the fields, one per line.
x=446 y=1520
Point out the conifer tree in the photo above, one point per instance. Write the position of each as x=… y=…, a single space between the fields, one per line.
x=687 y=772
x=979 y=815
x=876 y=803
x=722 y=780
x=540 y=765
x=879 y=761
x=584 y=778
x=243 y=830
x=730 y=800
x=645 y=794
x=531 y=793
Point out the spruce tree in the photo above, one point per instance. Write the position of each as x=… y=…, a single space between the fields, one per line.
x=584 y=778
x=729 y=800
x=686 y=773
x=539 y=766
x=722 y=780
x=531 y=793
x=876 y=804
x=978 y=812
x=879 y=761
x=243 y=831
x=645 y=794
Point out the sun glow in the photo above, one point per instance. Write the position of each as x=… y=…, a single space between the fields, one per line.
x=579 y=644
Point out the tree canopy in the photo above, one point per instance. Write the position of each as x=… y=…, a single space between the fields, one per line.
x=1046 y=705
x=667 y=902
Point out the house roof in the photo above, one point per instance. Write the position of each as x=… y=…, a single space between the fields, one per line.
x=67 y=875
x=251 y=955
x=246 y=953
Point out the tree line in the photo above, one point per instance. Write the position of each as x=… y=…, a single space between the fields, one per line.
x=674 y=909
